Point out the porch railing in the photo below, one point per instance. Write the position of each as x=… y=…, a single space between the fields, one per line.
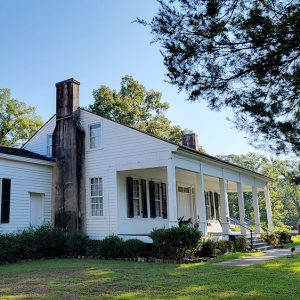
x=265 y=229
x=244 y=226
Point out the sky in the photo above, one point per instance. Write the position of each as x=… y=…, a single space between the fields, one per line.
x=44 y=42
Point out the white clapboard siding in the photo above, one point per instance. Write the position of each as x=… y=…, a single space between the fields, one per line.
x=38 y=143
x=120 y=147
x=25 y=178
x=118 y=144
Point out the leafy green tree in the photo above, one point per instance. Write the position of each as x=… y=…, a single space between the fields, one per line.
x=242 y=54
x=137 y=107
x=18 y=122
x=284 y=193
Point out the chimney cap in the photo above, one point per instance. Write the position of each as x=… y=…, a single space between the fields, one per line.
x=67 y=81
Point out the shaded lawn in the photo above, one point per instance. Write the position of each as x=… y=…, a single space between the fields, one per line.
x=104 y=279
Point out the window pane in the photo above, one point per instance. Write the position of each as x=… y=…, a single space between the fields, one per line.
x=136 y=207
x=95 y=135
x=49 y=145
x=96 y=196
x=157 y=208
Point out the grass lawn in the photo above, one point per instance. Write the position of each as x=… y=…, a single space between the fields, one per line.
x=104 y=279
x=296 y=242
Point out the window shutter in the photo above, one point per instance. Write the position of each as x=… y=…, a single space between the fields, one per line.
x=144 y=198
x=164 y=201
x=152 y=199
x=130 y=197
x=5 y=200
x=211 y=201
x=217 y=205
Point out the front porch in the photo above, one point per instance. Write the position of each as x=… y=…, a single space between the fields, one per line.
x=204 y=194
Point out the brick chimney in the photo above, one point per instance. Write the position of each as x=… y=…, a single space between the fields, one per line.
x=190 y=140
x=68 y=149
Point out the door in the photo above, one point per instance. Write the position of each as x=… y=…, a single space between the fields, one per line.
x=36 y=209
x=185 y=205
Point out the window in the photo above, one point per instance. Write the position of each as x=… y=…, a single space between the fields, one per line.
x=136 y=198
x=96 y=196
x=158 y=202
x=95 y=136
x=49 y=145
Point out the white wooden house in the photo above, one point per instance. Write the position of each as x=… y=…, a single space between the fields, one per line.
x=129 y=182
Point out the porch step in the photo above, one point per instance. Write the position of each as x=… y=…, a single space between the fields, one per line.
x=263 y=248
x=259 y=244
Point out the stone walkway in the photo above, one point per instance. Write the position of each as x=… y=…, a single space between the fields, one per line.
x=268 y=255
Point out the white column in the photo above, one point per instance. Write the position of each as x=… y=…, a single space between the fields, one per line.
x=172 y=195
x=224 y=207
x=269 y=209
x=241 y=207
x=256 y=210
x=200 y=204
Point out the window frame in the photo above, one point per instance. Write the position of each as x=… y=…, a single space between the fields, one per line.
x=139 y=198
x=49 y=150
x=100 y=136
x=158 y=183
x=99 y=196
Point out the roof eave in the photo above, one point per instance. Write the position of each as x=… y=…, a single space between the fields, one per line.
x=223 y=162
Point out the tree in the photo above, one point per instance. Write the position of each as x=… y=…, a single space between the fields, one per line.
x=284 y=193
x=18 y=122
x=240 y=54
x=137 y=107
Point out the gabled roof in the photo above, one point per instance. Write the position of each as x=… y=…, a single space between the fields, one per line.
x=23 y=153
x=188 y=149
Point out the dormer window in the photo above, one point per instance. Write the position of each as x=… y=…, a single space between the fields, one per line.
x=49 y=145
x=95 y=136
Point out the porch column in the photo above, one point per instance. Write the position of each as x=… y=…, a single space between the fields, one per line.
x=241 y=207
x=224 y=207
x=172 y=195
x=256 y=210
x=200 y=204
x=269 y=209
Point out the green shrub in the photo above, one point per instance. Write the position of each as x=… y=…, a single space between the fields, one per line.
x=133 y=248
x=207 y=248
x=240 y=244
x=111 y=247
x=51 y=241
x=224 y=246
x=284 y=236
x=77 y=243
x=44 y=241
x=270 y=239
x=175 y=242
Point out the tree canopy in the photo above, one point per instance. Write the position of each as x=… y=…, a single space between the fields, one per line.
x=137 y=107
x=18 y=122
x=241 y=54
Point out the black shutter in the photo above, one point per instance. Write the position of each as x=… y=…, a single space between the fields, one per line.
x=211 y=202
x=144 y=198
x=5 y=200
x=152 y=199
x=217 y=204
x=164 y=201
x=130 y=197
